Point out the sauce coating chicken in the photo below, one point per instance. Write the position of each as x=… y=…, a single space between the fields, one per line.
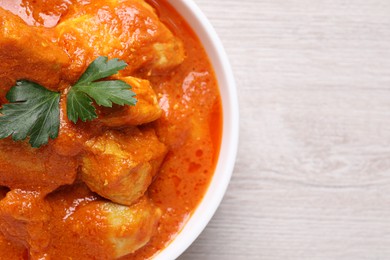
x=89 y=227
x=27 y=53
x=23 y=217
x=129 y=30
x=43 y=170
x=120 y=166
x=120 y=230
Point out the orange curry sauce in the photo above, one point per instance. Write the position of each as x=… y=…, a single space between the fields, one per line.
x=190 y=126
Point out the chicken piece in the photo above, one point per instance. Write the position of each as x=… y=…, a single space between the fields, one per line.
x=111 y=230
x=26 y=53
x=121 y=166
x=146 y=110
x=126 y=29
x=23 y=167
x=23 y=217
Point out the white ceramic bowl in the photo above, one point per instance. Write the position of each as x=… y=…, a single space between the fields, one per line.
x=206 y=209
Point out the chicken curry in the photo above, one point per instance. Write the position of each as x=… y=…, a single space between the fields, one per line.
x=123 y=184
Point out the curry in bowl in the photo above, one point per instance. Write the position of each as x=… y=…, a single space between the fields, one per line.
x=110 y=128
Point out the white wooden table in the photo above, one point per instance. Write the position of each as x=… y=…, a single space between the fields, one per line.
x=312 y=179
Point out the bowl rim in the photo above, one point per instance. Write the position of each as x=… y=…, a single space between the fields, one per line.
x=230 y=130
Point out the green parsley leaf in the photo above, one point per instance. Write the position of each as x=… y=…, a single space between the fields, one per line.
x=104 y=93
x=33 y=111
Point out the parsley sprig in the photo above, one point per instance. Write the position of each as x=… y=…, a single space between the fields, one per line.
x=79 y=100
x=34 y=112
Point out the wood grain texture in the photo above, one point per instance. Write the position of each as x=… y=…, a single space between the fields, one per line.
x=312 y=178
